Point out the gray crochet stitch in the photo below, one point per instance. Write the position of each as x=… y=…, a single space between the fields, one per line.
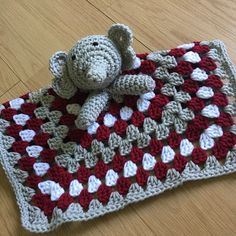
x=34 y=219
x=94 y=64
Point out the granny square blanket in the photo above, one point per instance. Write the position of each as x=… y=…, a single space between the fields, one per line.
x=139 y=146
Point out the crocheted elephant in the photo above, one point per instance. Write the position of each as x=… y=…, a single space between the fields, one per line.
x=94 y=64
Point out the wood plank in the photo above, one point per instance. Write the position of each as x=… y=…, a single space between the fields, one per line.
x=205 y=207
x=16 y=91
x=7 y=77
x=163 y=24
x=54 y=25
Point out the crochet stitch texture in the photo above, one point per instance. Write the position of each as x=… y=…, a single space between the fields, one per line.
x=94 y=64
x=138 y=147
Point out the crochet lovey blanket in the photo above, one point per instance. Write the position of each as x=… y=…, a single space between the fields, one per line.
x=138 y=147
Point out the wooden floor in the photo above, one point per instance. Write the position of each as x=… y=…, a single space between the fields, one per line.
x=32 y=30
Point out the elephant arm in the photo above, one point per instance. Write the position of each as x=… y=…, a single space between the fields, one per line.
x=91 y=109
x=132 y=85
x=64 y=87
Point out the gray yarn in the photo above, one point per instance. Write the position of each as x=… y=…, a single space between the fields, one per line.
x=34 y=219
x=94 y=64
x=92 y=107
x=132 y=85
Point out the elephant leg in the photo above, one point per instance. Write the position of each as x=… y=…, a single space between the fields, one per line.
x=91 y=109
x=132 y=85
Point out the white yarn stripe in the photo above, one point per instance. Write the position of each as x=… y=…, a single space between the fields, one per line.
x=130 y=169
x=192 y=57
x=111 y=178
x=20 y=119
x=41 y=168
x=51 y=188
x=126 y=113
x=16 y=103
x=75 y=188
x=143 y=104
x=167 y=154
x=214 y=131
x=34 y=150
x=205 y=92
x=93 y=184
x=186 y=147
x=186 y=46
x=148 y=96
x=148 y=162
x=109 y=120
x=206 y=142
x=199 y=75
x=137 y=63
x=45 y=186
x=92 y=129
x=27 y=135
x=56 y=191
x=211 y=111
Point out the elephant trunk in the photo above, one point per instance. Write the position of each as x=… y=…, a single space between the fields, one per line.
x=97 y=73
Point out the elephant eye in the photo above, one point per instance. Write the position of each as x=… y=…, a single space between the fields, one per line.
x=73 y=57
x=95 y=44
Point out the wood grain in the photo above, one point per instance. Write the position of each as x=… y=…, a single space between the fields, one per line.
x=31 y=31
x=17 y=90
x=7 y=77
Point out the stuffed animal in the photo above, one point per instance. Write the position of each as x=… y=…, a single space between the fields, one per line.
x=95 y=64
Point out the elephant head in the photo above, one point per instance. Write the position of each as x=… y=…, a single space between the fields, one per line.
x=93 y=62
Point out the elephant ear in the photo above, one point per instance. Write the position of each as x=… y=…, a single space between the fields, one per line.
x=61 y=82
x=122 y=37
x=57 y=64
